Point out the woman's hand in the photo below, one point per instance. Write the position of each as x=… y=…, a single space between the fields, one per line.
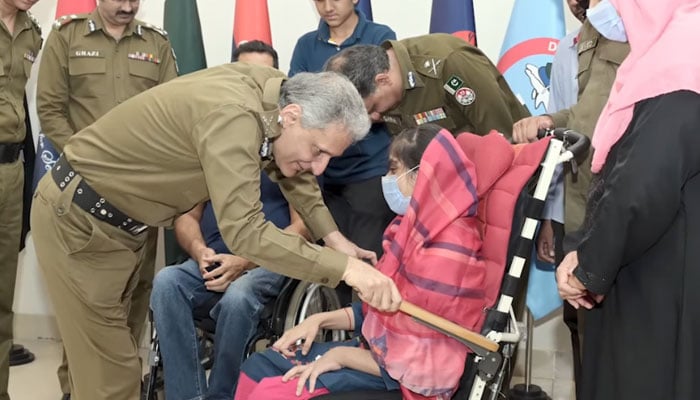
x=302 y=334
x=331 y=361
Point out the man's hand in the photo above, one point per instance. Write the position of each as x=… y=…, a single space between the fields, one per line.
x=231 y=267
x=570 y=288
x=525 y=130
x=336 y=241
x=545 y=242
x=373 y=287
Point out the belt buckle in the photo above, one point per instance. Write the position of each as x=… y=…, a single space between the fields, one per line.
x=137 y=229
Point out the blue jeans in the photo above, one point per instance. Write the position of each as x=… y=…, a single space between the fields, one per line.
x=179 y=289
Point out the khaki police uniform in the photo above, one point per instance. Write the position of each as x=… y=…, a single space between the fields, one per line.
x=206 y=135
x=599 y=59
x=18 y=50
x=448 y=82
x=84 y=73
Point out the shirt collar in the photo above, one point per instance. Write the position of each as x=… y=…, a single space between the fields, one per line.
x=409 y=77
x=271 y=112
x=324 y=31
x=96 y=23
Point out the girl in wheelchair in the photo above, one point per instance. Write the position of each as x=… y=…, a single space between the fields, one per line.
x=432 y=252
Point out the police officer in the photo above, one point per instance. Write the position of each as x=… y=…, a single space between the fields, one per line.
x=20 y=41
x=433 y=78
x=91 y=63
x=203 y=136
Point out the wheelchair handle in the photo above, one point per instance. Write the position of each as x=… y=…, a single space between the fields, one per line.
x=449 y=327
x=575 y=142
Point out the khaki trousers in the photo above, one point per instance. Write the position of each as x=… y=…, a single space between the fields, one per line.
x=11 y=186
x=91 y=270
x=140 y=301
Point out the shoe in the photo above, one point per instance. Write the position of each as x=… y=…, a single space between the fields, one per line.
x=66 y=396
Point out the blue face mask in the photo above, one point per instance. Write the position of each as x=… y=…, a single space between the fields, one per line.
x=397 y=201
x=607 y=21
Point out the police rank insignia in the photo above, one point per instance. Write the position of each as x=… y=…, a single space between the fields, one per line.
x=465 y=96
x=411 y=80
x=266 y=149
x=453 y=84
x=141 y=56
x=430 y=116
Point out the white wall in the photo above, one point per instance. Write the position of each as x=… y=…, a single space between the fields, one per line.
x=289 y=19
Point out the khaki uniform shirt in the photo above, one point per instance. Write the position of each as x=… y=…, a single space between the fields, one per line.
x=17 y=54
x=599 y=59
x=201 y=137
x=85 y=72
x=453 y=84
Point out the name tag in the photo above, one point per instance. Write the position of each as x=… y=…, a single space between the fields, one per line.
x=87 y=53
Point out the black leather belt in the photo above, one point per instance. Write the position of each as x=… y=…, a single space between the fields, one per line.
x=89 y=200
x=9 y=152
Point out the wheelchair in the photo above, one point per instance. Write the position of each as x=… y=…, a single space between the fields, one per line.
x=297 y=300
x=489 y=365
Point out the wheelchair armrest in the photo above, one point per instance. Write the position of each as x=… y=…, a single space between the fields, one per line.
x=478 y=343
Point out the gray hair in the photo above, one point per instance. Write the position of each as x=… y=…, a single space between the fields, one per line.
x=361 y=64
x=326 y=98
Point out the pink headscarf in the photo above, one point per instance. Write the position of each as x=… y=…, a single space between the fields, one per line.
x=663 y=35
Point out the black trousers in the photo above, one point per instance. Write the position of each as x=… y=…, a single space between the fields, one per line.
x=362 y=215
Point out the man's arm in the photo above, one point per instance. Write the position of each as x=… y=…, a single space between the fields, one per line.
x=53 y=91
x=168 y=66
x=189 y=234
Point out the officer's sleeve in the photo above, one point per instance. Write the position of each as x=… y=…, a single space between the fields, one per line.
x=168 y=65
x=231 y=168
x=303 y=193
x=53 y=90
x=489 y=110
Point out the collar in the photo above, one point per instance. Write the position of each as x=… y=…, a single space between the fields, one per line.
x=410 y=78
x=324 y=31
x=270 y=114
x=22 y=23
x=96 y=23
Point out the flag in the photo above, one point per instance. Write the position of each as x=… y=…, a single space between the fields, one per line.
x=366 y=7
x=251 y=22
x=532 y=37
x=46 y=154
x=66 y=7
x=526 y=56
x=455 y=17
x=181 y=20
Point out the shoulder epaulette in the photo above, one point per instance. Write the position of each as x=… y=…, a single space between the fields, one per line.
x=154 y=28
x=67 y=19
x=35 y=22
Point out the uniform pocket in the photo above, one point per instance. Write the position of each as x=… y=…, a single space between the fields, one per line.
x=86 y=65
x=144 y=69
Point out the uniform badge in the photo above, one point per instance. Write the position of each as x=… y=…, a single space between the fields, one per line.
x=30 y=56
x=453 y=84
x=465 y=96
x=432 y=65
x=430 y=116
x=141 y=56
x=411 y=80
x=587 y=45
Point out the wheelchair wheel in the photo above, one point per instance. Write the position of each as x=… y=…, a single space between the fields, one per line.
x=311 y=298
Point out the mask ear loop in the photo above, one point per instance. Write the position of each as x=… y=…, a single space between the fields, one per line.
x=406 y=173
